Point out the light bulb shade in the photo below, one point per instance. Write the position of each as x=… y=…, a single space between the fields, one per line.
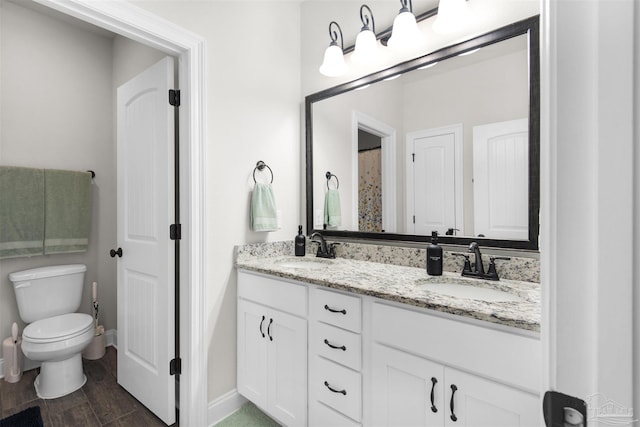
x=367 y=49
x=452 y=15
x=333 y=64
x=405 y=32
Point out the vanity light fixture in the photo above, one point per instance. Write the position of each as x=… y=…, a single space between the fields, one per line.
x=405 y=32
x=333 y=64
x=367 y=50
x=452 y=15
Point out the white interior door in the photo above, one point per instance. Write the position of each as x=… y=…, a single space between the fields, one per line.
x=435 y=180
x=501 y=180
x=146 y=327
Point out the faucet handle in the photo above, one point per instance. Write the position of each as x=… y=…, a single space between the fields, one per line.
x=467 y=261
x=492 y=274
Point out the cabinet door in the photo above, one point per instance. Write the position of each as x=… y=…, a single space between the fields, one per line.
x=407 y=390
x=479 y=402
x=287 y=368
x=252 y=352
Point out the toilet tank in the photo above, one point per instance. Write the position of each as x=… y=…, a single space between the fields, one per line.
x=48 y=291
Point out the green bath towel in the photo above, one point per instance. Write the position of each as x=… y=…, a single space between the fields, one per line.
x=263 y=208
x=21 y=211
x=67 y=211
x=332 y=215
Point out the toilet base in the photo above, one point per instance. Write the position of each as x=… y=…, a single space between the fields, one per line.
x=59 y=378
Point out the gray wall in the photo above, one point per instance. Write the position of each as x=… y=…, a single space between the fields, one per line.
x=57 y=111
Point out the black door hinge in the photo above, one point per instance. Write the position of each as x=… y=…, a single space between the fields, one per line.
x=175 y=366
x=175 y=231
x=413 y=157
x=174 y=97
x=414 y=219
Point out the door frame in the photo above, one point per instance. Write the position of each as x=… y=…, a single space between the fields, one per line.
x=144 y=27
x=387 y=133
x=456 y=129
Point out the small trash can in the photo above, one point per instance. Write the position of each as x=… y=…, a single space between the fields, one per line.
x=95 y=349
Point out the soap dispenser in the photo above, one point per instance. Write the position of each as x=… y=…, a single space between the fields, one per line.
x=300 y=243
x=434 y=256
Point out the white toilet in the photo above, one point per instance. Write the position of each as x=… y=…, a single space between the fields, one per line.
x=55 y=335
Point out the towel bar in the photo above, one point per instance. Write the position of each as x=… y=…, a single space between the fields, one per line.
x=329 y=175
x=260 y=166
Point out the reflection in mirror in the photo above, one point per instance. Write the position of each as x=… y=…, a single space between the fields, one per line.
x=451 y=148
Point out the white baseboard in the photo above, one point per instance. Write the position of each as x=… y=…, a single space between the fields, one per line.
x=224 y=406
x=110 y=337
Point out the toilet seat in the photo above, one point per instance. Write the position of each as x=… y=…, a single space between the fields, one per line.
x=57 y=328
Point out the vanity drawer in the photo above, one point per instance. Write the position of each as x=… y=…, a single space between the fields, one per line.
x=511 y=358
x=336 y=309
x=337 y=387
x=320 y=415
x=336 y=344
x=279 y=294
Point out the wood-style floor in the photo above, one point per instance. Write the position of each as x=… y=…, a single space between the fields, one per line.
x=100 y=402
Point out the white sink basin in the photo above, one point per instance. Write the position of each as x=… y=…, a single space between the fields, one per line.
x=305 y=263
x=457 y=290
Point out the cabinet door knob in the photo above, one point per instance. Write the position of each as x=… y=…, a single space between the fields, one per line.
x=434 y=381
x=333 y=310
x=344 y=392
x=337 y=347
x=114 y=252
x=453 y=391
x=261 y=322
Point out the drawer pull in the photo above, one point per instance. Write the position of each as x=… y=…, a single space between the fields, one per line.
x=344 y=392
x=269 y=330
x=453 y=391
x=261 y=322
x=326 y=307
x=434 y=381
x=337 y=347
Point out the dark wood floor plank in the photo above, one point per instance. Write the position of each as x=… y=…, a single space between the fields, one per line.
x=100 y=402
x=79 y=415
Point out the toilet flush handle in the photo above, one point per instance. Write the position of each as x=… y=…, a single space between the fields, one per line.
x=114 y=252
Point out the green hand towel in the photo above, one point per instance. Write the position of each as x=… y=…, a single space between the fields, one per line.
x=263 y=208
x=332 y=215
x=67 y=211
x=21 y=211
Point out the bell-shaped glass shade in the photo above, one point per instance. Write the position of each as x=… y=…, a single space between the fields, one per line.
x=367 y=50
x=333 y=64
x=452 y=16
x=405 y=32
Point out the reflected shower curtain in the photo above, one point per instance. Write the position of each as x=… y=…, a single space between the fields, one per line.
x=370 y=190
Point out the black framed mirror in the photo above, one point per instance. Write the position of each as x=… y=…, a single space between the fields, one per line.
x=480 y=168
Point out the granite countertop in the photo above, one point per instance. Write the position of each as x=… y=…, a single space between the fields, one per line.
x=409 y=285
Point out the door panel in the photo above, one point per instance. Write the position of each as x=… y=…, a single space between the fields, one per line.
x=402 y=389
x=501 y=179
x=146 y=293
x=479 y=402
x=434 y=199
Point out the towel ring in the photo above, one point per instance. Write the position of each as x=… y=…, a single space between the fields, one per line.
x=329 y=175
x=260 y=166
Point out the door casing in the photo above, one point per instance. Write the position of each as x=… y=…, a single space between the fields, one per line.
x=134 y=23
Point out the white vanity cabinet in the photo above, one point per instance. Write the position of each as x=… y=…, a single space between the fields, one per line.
x=431 y=371
x=316 y=356
x=272 y=346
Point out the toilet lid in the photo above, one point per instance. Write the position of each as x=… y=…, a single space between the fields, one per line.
x=58 y=327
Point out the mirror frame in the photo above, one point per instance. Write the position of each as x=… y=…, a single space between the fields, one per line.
x=528 y=26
